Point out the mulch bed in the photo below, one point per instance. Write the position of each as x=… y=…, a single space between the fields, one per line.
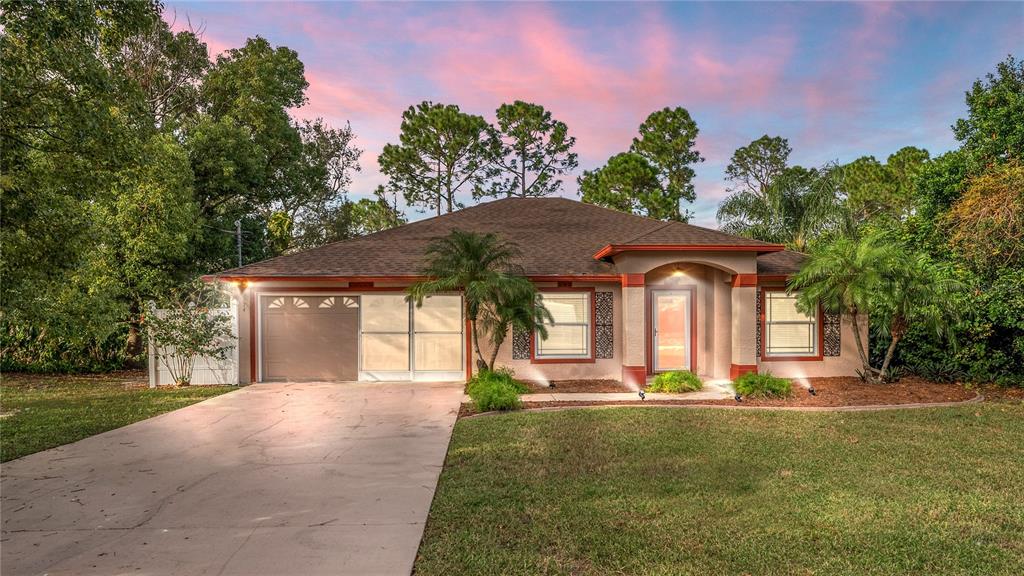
x=830 y=392
x=576 y=386
x=130 y=378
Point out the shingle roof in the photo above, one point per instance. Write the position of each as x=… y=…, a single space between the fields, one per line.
x=557 y=236
x=785 y=262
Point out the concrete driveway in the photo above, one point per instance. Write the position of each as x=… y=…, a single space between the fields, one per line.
x=272 y=479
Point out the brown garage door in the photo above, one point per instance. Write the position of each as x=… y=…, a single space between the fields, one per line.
x=309 y=337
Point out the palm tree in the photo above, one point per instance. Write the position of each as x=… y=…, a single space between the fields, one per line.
x=508 y=310
x=486 y=270
x=877 y=277
x=797 y=205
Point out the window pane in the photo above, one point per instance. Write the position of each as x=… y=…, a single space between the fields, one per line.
x=791 y=339
x=439 y=351
x=565 y=341
x=782 y=306
x=568 y=308
x=385 y=352
x=439 y=314
x=385 y=313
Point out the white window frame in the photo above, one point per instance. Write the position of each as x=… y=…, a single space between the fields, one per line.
x=812 y=322
x=588 y=336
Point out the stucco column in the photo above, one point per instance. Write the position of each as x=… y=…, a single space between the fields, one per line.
x=634 y=331
x=744 y=326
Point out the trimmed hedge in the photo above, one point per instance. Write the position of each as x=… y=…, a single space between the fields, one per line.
x=676 y=382
x=763 y=386
x=497 y=390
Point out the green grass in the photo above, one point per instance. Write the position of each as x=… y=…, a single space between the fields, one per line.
x=40 y=412
x=683 y=491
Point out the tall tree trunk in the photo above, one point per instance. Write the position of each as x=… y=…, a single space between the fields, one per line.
x=522 y=167
x=897 y=329
x=440 y=192
x=888 y=356
x=499 y=340
x=476 y=342
x=864 y=360
x=133 y=345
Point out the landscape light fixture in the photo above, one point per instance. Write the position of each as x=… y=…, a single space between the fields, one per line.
x=812 y=391
x=739 y=398
x=642 y=395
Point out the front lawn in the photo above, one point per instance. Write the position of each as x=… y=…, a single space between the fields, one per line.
x=703 y=491
x=40 y=412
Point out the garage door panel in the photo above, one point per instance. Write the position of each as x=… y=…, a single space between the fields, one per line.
x=309 y=337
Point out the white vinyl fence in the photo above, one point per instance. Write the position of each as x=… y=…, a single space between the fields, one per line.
x=207 y=371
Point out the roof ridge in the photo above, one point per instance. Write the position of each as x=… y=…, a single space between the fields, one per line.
x=367 y=236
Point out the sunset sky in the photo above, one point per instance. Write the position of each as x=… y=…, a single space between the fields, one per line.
x=838 y=80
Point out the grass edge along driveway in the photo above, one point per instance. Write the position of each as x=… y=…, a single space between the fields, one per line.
x=663 y=491
x=38 y=412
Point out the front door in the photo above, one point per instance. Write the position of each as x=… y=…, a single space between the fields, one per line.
x=671 y=342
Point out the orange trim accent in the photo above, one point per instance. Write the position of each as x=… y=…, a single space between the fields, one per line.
x=564 y=284
x=762 y=278
x=737 y=370
x=634 y=376
x=570 y=278
x=613 y=249
x=744 y=280
x=360 y=284
x=764 y=335
x=212 y=277
x=593 y=332
x=632 y=280
x=469 y=351
x=532 y=277
x=315 y=289
x=649 y=326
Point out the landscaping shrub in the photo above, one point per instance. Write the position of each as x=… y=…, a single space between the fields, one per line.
x=496 y=390
x=763 y=385
x=676 y=382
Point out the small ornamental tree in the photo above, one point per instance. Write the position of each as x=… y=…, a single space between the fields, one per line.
x=186 y=330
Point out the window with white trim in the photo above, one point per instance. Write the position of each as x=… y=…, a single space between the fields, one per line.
x=788 y=332
x=569 y=332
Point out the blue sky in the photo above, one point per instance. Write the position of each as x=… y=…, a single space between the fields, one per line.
x=839 y=80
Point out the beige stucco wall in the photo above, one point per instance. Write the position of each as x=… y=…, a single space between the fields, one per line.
x=603 y=369
x=726 y=321
x=846 y=364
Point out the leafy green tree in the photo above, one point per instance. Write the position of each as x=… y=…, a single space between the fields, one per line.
x=986 y=225
x=876 y=190
x=167 y=68
x=668 y=140
x=756 y=166
x=485 y=269
x=371 y=215
x=532 y=150
x=187 y=330
x=628 y=183
x=63 y=134
x=993 y=131
x=655 y=176
x=441 y=151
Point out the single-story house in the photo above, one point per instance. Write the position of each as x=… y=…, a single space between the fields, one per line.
x=630 y=297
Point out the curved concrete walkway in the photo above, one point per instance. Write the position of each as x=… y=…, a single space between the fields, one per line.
x=272 y=479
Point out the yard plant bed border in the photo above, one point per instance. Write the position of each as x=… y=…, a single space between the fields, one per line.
x=831 y=394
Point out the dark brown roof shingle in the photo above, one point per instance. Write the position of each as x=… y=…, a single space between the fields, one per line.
x=557 y=236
